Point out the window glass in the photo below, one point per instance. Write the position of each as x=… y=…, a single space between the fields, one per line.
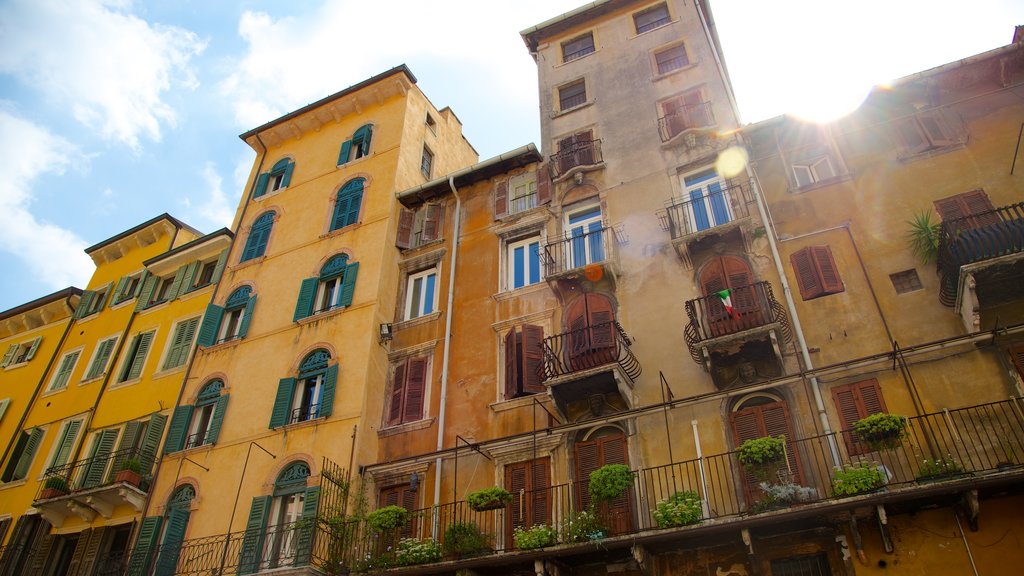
x=651 y=18
x=524 y=262
x=572 y=95
x=422 y=295
x=671 y=59
x=578 y=47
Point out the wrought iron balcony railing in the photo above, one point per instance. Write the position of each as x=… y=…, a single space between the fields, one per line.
x=580 y=153
x=705 y=209
x=753 y=306
x=685 y=118
x=589 y=347
x=976 y=238
x=91 y=473
x=573 y=252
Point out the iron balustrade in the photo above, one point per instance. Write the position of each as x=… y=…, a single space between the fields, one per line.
x=579 y=153
x=705 y=210
x=975 y=238
x=753 y=305
x=685 y=118
x=573 y=252
x=522 y=203
x=196 y=440
x=589 y=347
x=303 y=413
x=92 y=472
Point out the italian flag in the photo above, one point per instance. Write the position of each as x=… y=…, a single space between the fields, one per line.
x=727 y=302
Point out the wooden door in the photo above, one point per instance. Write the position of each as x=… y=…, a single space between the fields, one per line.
x=592 y=332
x=530 y=485
x=732 y=274
x=591 y=454
x=767 y=419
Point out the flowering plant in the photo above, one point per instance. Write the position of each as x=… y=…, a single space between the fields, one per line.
x=582 y=526
x=412 y=551
x=537 y=536
x=939 y=467
x=861 y=477
x=679 y=509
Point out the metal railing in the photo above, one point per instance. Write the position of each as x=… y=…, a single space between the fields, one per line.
x=685 y=118
x=303 y=413
x=589 y=347
x=522 y=203
x=580 y=153
x=753 y=306
x=195 y=440
x=572 y=252
x=683 y=217
x=90 y=473
x=976 y=238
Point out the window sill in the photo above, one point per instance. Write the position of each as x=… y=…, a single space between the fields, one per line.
x=403 y=428
x=908 y=157
x=86 y=381
x=670 y=73
x=125 y=384
x=429 y=244
x=340 y=231
x=298 y=425
x=517 y=292
x=122 y=303
x=578 y=170
x=249 y=262
x=220 y=345
x=521 y=402
x=316 y=316
x=168 y=371
x=821 y=184
x=155 y=306
x=577 y=59
x=351 y=163
x=426 y=318
x=18 y=365
x=646 y=32
x=53 y=392
x=13 y=484
x=197 y=291
x=559 y=113
x=270 y=193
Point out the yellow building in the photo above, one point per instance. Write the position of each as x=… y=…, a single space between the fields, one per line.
x=83 y=473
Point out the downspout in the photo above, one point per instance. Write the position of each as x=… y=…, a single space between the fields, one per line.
x=762 y=210
x=42 y=379
x=447 y=339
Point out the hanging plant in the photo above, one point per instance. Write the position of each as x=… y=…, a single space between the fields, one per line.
x=881 y=431
x=923 y=237
x=609 y=482
x=387 y=518
x=489 y=499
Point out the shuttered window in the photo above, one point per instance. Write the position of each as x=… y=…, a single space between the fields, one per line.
x=259 y=235
x=967 y=211
x=592 y=331
x=816 y=272
x=100 y=358
x=279 y=177
x=419 y=227
x=64 y=369
x=1017 y=356
x=766 y=419
x=530 y=485
x=181 y=343
x=347 y=204
x=66 y=443
x=593 y=454
x=332 y=289
x=21 y=457
x=401 y=495
x=136 y=357
x=356 y=147
x=856 y=401
x=408 y=387
x=928 y=130
x=524 y=361
x=230 y=322
x=308 y=396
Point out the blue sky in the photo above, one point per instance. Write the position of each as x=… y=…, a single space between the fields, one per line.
x=114 y=111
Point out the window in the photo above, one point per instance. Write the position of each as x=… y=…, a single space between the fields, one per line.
x=204 y=273
x=332 y=289
x=651 y=18
x=127 y=288
x=198 y=424
x=672 y=58
x=403 y=495
x=426 y=162
x=63 y=375
x=522 y=192
x=707 y=201
x=21 y=457
x=223 y=324
x=431 y=123
x=347 y=204
x=421 y=294
x=578 y=47
x=816 y=272
x=408 y=386
x=813 y=170
x=572 y=95
x=259 y=234
x=579 y=149
x=65 y=444
x=279 y=177
x=308 y=396
x=278 y=530
x=925 y=131
x=524 y=360
x=906 y=281
x=802 y=566
x=181 y=343
x=856 y=401
x=419 y=227
x=98 y=365
x=684 y=112
x=971 y=210
x=524 y=262
x=135 y=359
x=21 y=353
x=530 y=485
x=585 y=230
x=593 y=332
x=162 y=290
x=92 y=301
x=357 y=147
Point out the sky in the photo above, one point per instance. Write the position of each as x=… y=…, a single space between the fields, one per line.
x=115 y=111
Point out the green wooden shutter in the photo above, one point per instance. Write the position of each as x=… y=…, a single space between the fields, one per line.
x=327 y=391
x=182 y=343
x=27 y=454
x=149 y=531
x=67 y=364
x=282 y=403
x=255 y=531
x=211 y=325
x=346 y=152
x=97 y=465
x=138 y=360
x=348 y=283
x=129 y=439
x=304 y=305
x=41 y=554
x=307 y=529
x=99 y=363
x=151 y=442
x=32 y=348
x=218 y=417
x=9 y=355
x=355 y=201
x=148 y=286
x=91 y=552
x=119 y=295
x=83 y=303
x=80 y=545
x=178 y=429
x=218 y=270
x=67 y=443
x=243 y=327
x=170 y=547
x=189 y=280
x=261 y=185
x=178 y=285
x=287 y=179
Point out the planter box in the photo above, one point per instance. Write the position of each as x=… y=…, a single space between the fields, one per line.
x=48 y=493
x=492 y=505
x=129 y=477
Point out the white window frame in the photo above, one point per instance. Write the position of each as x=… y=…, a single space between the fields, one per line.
x=418 y=297
x=811 y=171
x=703 y=185
x=585 y=226
x=317 y=386
x=328 y=294
x=53 y=379
x=510 y=257
x=522 y=193
x=228 y=331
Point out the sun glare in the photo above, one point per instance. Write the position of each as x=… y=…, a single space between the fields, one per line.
x=828 y=101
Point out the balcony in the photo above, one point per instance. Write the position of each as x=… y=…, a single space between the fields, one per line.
x=588 y=361
x=580 y=156
x=93 y=486
x=685 y=119
x=711 y=213
x=756 y=315
x=981 y=261
x=588 y=255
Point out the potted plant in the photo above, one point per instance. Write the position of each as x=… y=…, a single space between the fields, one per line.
x=537 y=536
x=582 y=526
x=923 y=236
x=679 y=509
x=489 y=499
x=463 y=540
x=609 y=482
x=762 y=456
x=53 y=487
x=782 y=495
x=857 y=479
x=881 y=431
x=387 y=518
x=130 y=472
x=411 y=551
x=937 y=469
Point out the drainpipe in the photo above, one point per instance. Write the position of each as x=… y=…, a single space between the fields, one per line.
x=447 y=339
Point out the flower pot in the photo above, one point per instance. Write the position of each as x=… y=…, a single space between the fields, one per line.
x=129 y=477
x=490 y=505
x=48 y=493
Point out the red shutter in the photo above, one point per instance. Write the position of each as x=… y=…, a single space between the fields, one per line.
x=870 y=397
x=831 y=283
x=501 y=199
x=543 y=184
x=406 y=219
x=530 y=483
x=584 y=148
x=806 y=274
x=740 y=280
x=414 y=389
x=856 y=401
x=588 y=459
x=431 y=222
x=540 y=484
x=533 y=358
x=601 y=320
x=1017 y=355
x=397 y=393
x=777 y=422
x=566 y=155
x=511 y=365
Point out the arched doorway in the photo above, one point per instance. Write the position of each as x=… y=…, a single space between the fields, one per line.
x=176 y=515
x=764 y=414
x=730 y=303
x=605 y=445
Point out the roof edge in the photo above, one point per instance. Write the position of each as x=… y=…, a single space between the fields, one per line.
x=42 y=301
x=165 y=216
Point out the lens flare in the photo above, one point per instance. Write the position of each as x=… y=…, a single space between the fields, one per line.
x=731 y=161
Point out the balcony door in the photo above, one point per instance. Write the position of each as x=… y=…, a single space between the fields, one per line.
x=707 y=201
x=586 y=232
x=765 y=415
x=592 y=332
x=604 y=446
x=730 y=302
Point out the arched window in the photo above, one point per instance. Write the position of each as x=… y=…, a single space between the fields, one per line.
x=259 y=234
x=172 y=525
x=198 y=424
x=280 y=528
x=230 y=322
x=346 y=208
x=764 y=414
x=280 y=176
x=358 y=146
x=308 y=396
x=606 y=445
x=332 y=288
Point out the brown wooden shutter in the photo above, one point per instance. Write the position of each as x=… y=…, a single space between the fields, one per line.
x=540 y=477
x=740 y=280
x=406 y=219
x=967 y=204
x=431 y=222
x=511 y=365
x=397 y=393
x=533 y=358
x=828 y=272
x=777 y=422
x=501 y=199
x=806 y=274
x=414 y=389
x=855 y=401
x=543 y=184
x=584 y=148
x=588 y=459
x=566 y=155
x=1017 y=355
x=516 y=483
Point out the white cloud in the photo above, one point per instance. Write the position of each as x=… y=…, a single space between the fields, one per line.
x=53 y=254
x=214 y=208
x=109 y=67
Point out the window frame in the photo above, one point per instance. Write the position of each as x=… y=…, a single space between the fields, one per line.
x=594 y=252
x=276 y=179
x=419 y=227
x=356 y=147
x=348 y=204
x=333 y=289
x=94 y=370
x=654 y=25
x=319 y=366
x=524 y=242
x=920 y=125
x=127 y=288
x=518 y=365
x=23 y=454
x=809 y=166
x=20 y=353
x=867 y=399
x=65 y=440
x=419 y=298
x=412 y=403
x=658 y=63
x=426 y=162
x=906 y=281
x=582 y=51
x=575 y=99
